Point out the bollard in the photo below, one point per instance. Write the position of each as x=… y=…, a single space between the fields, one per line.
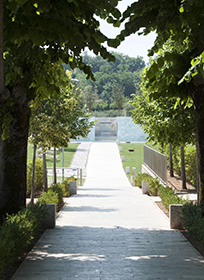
x=80 y=176
x=127 y=169
x=132 y=181
x=77 y=177
x=133 y=172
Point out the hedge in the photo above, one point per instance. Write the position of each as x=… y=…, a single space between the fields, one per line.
x=193 y=220
x=17 y=232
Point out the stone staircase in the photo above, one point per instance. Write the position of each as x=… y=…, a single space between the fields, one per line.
x=106 y=129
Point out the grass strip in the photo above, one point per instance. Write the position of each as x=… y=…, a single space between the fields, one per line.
x=132 y=158
x=68 y=155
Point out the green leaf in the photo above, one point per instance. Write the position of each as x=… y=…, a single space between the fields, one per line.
x=21 y=2
x=114 y=43
x=116 y=24
x=181 y=10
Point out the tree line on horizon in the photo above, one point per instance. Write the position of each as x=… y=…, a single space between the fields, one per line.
x=114 y=83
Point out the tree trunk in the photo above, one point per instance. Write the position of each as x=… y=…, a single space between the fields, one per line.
x=171 y=161
x=13 y=155
x=183 y=171
x=45 y=172
x=54 y=167
x=32 y=195
x=198 y=98
x=1 y=47
x=197 y=171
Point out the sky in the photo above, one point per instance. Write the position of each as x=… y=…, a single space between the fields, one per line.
x=133 y=45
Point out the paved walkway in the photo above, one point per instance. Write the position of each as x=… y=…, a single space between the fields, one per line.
x=110 y=231
x=80 y=157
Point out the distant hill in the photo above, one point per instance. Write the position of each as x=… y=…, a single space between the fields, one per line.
x=125 y=71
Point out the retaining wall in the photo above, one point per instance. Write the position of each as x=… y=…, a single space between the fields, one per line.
x=126 y=130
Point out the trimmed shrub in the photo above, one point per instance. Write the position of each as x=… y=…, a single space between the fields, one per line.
x=17 y=232
x=168 y=197
x=65 y=188
x=154 y=185
x=57 y=188
x=49 y=197
x=141 y=177
x=193 y=220
x=38 y=175
x=65 y=185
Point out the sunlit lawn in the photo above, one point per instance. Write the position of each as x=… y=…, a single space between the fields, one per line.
x=133 y=159
x=68 y=155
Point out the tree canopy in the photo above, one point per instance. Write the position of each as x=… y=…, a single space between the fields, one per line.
x=164 y=123
x=179 y=47
x=36 y=37
x=125 y=71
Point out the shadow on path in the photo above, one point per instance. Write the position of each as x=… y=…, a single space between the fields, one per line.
x=114 y=253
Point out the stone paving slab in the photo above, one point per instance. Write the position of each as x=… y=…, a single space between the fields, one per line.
x=110 y=231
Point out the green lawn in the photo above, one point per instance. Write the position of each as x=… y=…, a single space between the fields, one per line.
x=68 y=155
x=132 y=159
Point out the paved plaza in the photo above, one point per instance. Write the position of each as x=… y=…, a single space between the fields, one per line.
x=110 y=231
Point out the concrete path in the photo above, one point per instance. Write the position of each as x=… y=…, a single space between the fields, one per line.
x=110 y=231
x=81 y=156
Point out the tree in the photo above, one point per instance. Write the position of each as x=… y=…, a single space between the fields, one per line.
x=118 y=97
x=1 y=48
x=34 y=47
x=57 y=121
x=89 y=96
x=107 y=93
x=165 y=124
x=178 y=23
x=125 y=71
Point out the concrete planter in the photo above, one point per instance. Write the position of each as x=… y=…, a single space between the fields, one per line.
x=72 y=188
x=175 y=216
x=145 y=188
x=50 y=214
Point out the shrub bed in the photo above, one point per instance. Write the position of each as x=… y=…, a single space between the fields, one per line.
x=166 y=194
x=141 y=177
x=193 y=221
x=168 y=197
x=17 y=232
x=190 y=162
x=49 y=197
